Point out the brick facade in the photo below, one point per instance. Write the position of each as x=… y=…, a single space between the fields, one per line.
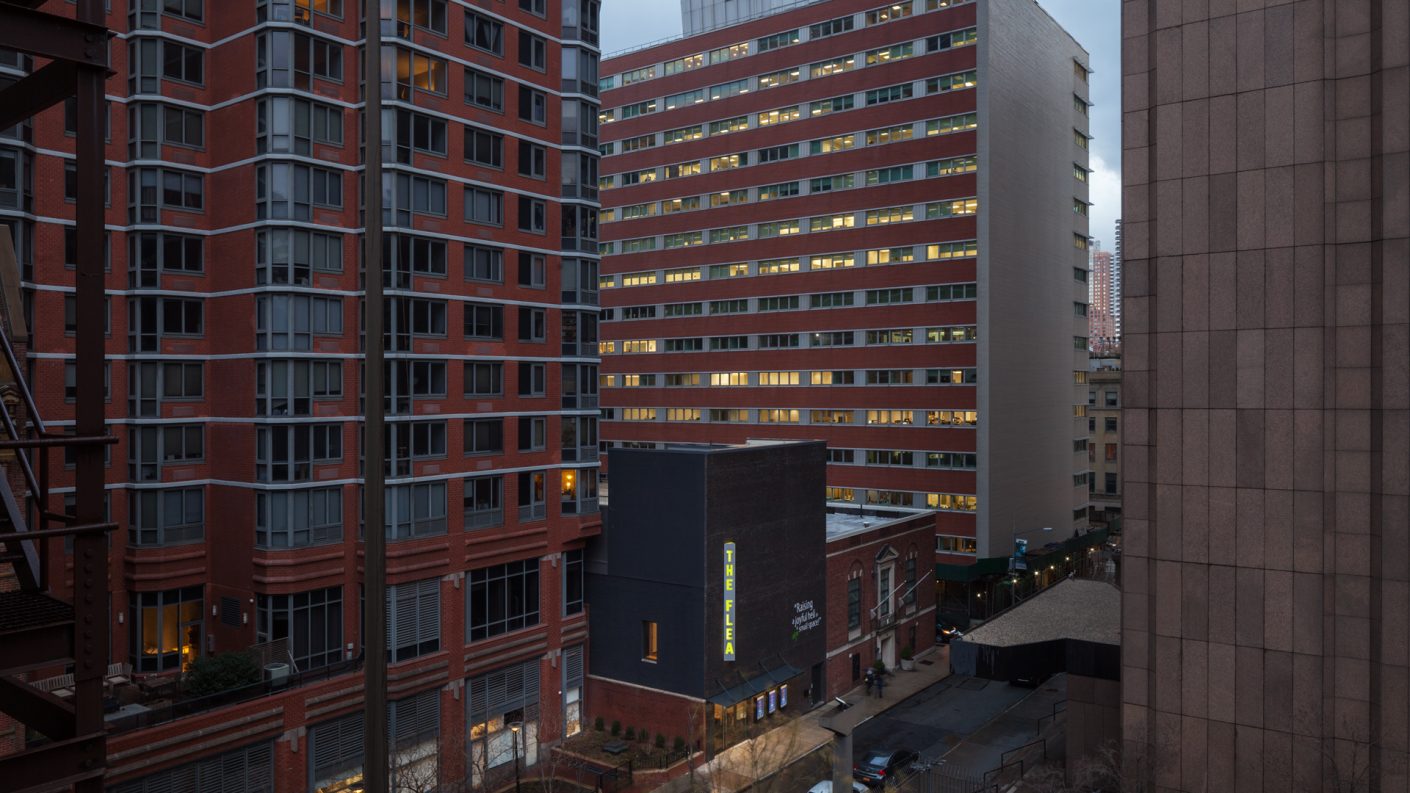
x=853 y=557
x=265 y=137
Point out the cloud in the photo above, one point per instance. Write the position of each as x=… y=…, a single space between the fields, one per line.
x=1104 y=191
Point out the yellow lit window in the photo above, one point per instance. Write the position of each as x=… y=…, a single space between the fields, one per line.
x=778 y=416
x=841 y=494
x=890 y=417
x=952 y=418
x=832 y=261
x=880 y=217
x=829 y=416
x=648 y=642
x=683 y=414
x=778 y=378
x=780 y=116
x=639 y=345
x=950 y=209
x=638 y=414
x=952 y=250
x=638 y=279
x=832 y=222
x=606 y=380
x=729 y=378
x=891 y=255
x=952 y=501
x=777 y=266
x=682 y=274
x=606 y=347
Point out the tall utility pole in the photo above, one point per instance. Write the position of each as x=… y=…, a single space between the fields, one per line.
x=374 y=640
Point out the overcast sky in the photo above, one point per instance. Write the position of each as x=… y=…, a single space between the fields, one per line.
x=1096 y=24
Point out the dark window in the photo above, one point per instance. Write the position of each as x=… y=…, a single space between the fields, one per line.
x=484 y=436
x=484 y=206
x=484 y=147
x=249 y=769
x=484 y=264
x=532 y=324
x=533 y=159
x=484 y=33
x=532 y=379
x=310 y=622
x=573 y=582
x=533 y=51
x=532 y=270
x=484 y=379
x=533 y=214
x=182 y=63
x=533 y=105
x=484 y=321
x=502 y=598
x=484 y=90
x=854 y=604
x=484 y=502
x=533 y=433
x=427 y=14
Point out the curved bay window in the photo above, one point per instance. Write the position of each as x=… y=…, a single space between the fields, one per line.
x=165 y=629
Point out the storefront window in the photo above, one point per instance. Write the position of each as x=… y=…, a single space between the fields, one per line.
x=497 y=702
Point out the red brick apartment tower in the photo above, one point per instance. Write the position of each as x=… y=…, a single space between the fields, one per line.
x=234 y=376
x=1101 y=322
x=864 y=223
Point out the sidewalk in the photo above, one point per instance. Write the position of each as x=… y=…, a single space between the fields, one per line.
x=747 y=762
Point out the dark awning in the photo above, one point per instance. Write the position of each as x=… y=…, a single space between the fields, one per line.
x=755 y=686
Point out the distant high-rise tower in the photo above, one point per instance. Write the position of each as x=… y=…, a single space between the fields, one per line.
x=1116 y=286
x=1103 y=297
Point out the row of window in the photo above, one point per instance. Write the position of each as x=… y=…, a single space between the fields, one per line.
x=829 y=377
x=289 y=387
x=871 y=97
x=763 y=341
x=848 y=299
x=945 y=125
x=933 y=169
x=940 y=251
x=928 y=418
x=818 y=224
x=887 y=13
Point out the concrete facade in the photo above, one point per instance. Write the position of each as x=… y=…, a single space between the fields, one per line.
x=1267 y=557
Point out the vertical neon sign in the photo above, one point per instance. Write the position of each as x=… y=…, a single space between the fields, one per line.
x=729 y=625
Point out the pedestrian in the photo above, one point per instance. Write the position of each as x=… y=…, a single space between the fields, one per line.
x=871 y=676
x=880 y=684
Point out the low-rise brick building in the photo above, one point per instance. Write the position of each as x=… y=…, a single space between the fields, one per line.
x=880 y=592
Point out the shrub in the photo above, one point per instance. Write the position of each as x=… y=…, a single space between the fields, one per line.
x=678 y=745
x=213 y=674
x=879 y=666
x=643 y=734
x=631 y=734
x=660 y=741
x=597 y=724
x=906 y=653
x=616 y=728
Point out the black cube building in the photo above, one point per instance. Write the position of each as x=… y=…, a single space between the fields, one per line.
x=707 y=588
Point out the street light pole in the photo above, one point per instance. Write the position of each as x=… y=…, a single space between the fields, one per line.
x=515 y=727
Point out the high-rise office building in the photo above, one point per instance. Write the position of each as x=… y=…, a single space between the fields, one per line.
x=1266 y=424
x=235 y=378
x=867 y=224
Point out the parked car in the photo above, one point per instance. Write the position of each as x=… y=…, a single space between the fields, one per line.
x=825 y=786
x=882 y=764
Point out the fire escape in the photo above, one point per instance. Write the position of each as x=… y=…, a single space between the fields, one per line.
x=46 y=624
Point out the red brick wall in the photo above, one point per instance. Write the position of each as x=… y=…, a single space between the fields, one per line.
x=637 y=706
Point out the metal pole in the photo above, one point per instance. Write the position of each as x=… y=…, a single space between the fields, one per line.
x=515 y=733
x=375 y=765
x=90 y=580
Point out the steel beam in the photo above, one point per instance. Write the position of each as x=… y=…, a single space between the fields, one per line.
x=54 y=766
x=40 y=90
x=38 y=709
x=374 y=755
x=36 y=646
x=55 y=37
